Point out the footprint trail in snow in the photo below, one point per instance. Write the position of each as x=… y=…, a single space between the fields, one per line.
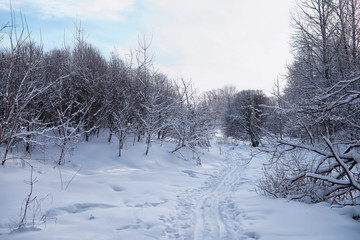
x=210 y=212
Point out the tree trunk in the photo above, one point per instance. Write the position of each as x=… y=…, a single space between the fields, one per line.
x=148 y=140
x=62 y=153
x=121 y=141
x=27 y=145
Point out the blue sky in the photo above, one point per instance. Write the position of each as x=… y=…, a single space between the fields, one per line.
x=213 y=43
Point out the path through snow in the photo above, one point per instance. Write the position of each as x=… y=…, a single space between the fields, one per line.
x=211 y=212
x=228 y=207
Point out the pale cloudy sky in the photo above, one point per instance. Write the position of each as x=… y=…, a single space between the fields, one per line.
x=212 y=42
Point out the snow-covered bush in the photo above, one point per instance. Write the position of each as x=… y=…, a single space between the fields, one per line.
x=284 y=177
x=326 y=172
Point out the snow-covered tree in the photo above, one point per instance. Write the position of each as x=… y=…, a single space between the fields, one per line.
x=322 y=169
x=191 y=125
x=89 y=71
x=245 y=116
x=321 y=105
x=21 y=88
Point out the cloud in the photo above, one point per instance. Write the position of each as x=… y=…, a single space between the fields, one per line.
x=225 y=42
x=82 y=9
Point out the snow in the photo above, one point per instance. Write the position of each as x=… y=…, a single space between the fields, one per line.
x=97 y=195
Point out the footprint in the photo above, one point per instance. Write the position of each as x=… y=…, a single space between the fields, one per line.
x=190 y=173
x=77 y=208
x=252 y=235
x=117 y=188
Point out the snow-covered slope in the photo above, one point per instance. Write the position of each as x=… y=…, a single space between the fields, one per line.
x=97 y=195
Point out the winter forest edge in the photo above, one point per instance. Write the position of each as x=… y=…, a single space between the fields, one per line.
x=310 y=126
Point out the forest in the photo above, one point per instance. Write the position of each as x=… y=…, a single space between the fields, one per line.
x=310 y=124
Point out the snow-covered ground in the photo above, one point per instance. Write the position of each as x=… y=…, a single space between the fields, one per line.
x=97 y=195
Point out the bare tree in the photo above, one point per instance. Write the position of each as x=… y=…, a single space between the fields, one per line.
x=21 y=87
x=70 y=123
x=190 y=125
x=118 y=100
x=246 y=115
x=328 y=169
x=89 y=69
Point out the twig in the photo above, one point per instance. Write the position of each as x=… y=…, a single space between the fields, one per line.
x=67 y=185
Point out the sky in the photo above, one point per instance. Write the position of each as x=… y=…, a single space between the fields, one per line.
x=212 y=43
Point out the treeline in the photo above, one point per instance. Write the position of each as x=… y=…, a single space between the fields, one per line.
x=66 y=93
